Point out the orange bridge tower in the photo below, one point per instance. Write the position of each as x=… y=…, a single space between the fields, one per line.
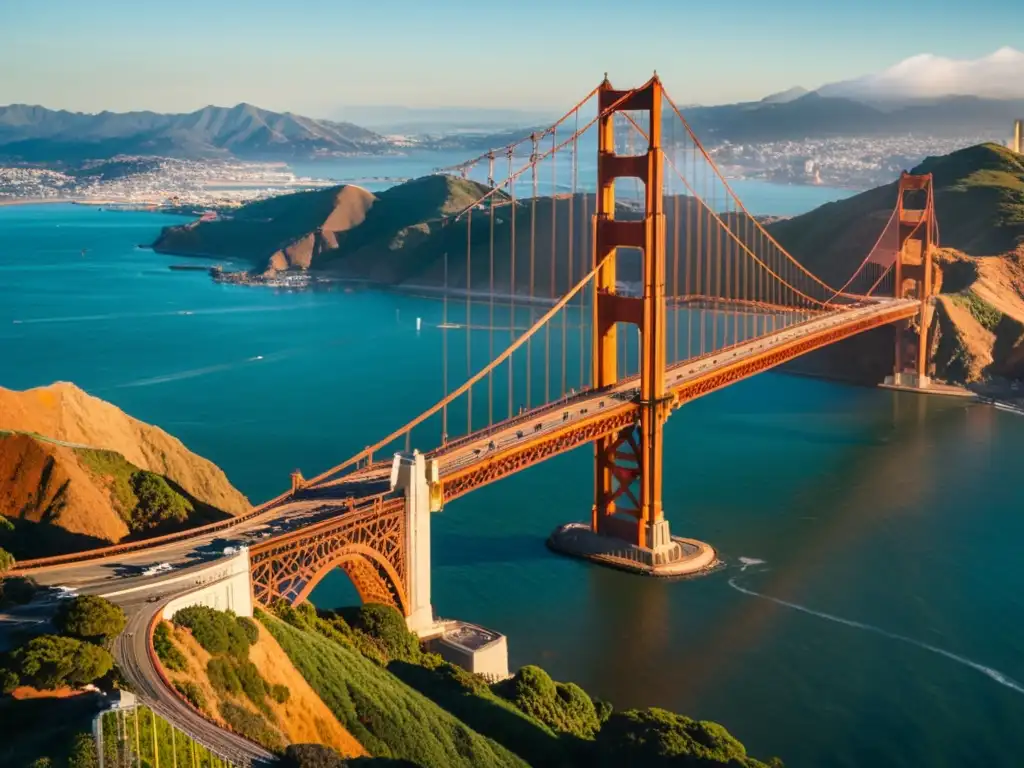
x=915 y=278
x=627 y=526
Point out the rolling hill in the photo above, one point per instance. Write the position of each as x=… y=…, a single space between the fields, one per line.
x=979 y=203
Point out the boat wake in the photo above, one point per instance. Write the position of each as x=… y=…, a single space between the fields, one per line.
x=993 y=674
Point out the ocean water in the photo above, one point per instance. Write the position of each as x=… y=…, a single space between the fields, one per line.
x=871 y=610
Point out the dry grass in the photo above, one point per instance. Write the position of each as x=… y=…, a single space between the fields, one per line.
x=304 y=718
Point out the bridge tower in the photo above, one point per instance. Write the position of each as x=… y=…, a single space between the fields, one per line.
x=914 y=278
x=627 y=513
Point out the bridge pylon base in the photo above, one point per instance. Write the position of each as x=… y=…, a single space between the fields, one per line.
x=907 y=380
x=670 y=557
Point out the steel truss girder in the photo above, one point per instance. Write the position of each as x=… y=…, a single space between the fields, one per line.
x=368 y=542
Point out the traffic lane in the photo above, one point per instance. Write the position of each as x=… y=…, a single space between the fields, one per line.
x=478 y=450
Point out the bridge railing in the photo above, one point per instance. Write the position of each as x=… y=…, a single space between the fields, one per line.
x=156 y=541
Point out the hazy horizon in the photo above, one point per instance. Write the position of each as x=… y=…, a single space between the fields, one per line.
x=319 y=57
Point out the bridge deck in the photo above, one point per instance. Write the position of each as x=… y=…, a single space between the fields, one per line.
x=506 y=447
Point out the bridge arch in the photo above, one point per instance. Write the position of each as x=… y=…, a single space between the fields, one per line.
x=368 y=541
x=374 y=578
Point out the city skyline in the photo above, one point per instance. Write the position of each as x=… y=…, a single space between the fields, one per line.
x=315 y=57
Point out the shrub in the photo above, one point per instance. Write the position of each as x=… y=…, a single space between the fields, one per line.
x=253 y=685
x=192 y=693
x=656 y=737
x=223 y=678
x=386 y=625
x=280 y=693
x=8 y=681
x=83 y=752
x=216 y=631
x=249 y=628
x=251 y=725
x=158 y=503
x=168 y=653
x=17 y=590
x=6 y=561
x=311 y=756
x=91 y=617
x=563 y=707
x=386 y=716
x=52 y=661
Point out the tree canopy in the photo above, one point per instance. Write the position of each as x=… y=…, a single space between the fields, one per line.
x=52 y=661
x=91 y=617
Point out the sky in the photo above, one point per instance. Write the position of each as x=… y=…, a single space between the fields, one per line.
x=314 y=57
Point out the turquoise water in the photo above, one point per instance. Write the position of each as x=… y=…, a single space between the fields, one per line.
x=885 y=624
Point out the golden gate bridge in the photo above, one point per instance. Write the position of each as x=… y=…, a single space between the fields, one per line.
x=592 y=314
x=655 y=288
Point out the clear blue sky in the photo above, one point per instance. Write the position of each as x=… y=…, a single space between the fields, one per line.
x=315 y=56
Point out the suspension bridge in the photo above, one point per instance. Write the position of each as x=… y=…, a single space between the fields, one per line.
x=596 y=299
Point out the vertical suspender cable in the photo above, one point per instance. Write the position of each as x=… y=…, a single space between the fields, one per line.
x=444 y=352
x=469 y=319
x=512 y=288
x=490 y=294
x=533 y=248
x=551 y=258
x=571 y=252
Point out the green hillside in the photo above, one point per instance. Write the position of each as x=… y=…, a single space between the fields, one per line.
x=402 y=702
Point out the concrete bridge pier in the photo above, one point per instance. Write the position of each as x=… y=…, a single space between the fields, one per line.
x=409 y=475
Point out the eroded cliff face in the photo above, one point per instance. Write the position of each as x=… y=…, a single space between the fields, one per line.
x=65 y=413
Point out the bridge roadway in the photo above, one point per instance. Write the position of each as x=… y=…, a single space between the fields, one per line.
x=118 y=576
x=502 y=449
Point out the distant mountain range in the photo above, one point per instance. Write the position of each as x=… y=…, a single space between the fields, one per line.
x=812 y=115
x=909 y=98
x=37 y=134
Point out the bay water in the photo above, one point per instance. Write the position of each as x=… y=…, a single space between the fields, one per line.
x=871 y=607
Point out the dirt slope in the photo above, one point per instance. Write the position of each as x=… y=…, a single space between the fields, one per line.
x=64 y=412
x=45 y=483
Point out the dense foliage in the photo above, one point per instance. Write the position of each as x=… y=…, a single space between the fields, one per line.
x=563 y=707
x=143 y=499
x=249 y=627
x=192 y=692
x=6 y=561
x=386 y=716
x=250 y=725
x=655 y=737
x=90 y=617
x=51 y=661
x=311 y=756
x=157 y=502
x=217 y=632
x=83 y=752
x=168 y=653
x=540 y=721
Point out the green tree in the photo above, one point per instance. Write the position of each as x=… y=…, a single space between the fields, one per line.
x=83 y=752
x=6 y=561
x=386 y=625
x=158 y=503
x=91 y=617
x=52 y=661
x=217 y=631
x=561 y=706
x=311 y=756
x=8 y=681
x=661 y=739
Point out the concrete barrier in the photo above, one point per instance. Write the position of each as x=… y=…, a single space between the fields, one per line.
x=227 y=588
